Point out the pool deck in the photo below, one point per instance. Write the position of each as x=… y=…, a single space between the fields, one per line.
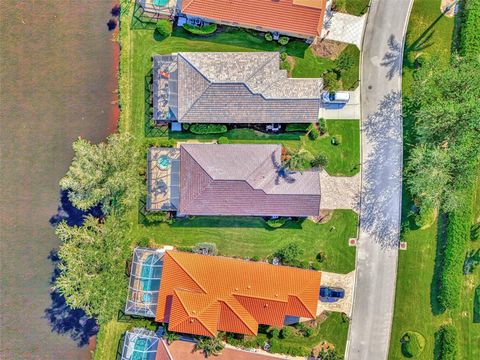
x=163 y=184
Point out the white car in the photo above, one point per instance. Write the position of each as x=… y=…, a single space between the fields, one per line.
x=339 y=97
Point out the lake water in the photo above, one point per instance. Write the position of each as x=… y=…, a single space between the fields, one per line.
x=58 y=80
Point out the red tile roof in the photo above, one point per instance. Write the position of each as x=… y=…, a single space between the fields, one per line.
x=202 y=294
x=302 y=17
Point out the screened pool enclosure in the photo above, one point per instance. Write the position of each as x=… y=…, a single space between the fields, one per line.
x=144 y=285
x=140 y=344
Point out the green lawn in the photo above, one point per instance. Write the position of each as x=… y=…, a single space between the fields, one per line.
x=343 y=159
x=353 y=7
x=416 y=308
x=246 y=237
x=108 y=339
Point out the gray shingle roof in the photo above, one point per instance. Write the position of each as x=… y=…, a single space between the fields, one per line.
x=241 y=88
x=243 y=180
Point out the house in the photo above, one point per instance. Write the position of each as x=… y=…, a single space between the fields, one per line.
x=235 y=88
x=202 y=295
x=142 y=344
x=297 y=18
x=230 y=179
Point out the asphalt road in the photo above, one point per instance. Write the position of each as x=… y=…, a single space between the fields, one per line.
x=380 y=207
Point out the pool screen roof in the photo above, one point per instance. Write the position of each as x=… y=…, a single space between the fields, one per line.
x=144 y=284
x=140 y=344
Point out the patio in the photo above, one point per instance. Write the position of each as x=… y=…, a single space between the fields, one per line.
x=163 y=179
x=165 y=88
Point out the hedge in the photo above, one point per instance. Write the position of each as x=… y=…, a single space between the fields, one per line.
x=458 y=232
x=164 y=27
x=470 y=34
x=201 y=30
x=297 y=127
x=447 y=342
x=208 y=128
x=476 y=305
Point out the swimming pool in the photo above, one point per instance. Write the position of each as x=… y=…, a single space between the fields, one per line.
x=160 y=2
x=164 y=162
x=150 y=276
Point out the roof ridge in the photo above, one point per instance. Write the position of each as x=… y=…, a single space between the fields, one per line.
x=206 y=173
x=260 y=297
x=180 y=54
x=268 y=61
x=267 y=158
x=238 y=316
x=169 y=253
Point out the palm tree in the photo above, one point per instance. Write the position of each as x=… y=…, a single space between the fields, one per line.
x=170 y=336
x=209 y=346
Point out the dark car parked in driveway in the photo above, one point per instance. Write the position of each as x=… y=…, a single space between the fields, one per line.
x=331 y=294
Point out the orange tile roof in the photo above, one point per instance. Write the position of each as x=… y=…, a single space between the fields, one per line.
x=303 y=17
x=202 y=294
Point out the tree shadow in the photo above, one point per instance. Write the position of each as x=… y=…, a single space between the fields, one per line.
x=115 y=10
x=476 y=305
x=382 y=173
x=393 y=59
x=63 y=319
x=70 y=214
x=438 y=309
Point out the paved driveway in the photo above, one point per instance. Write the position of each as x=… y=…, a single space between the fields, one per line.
x=377 y=246
x=350 y=110
x=343 y=27
x=339 y=192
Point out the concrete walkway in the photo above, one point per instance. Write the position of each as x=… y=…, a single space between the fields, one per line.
x=350 y=110
x=380 y=207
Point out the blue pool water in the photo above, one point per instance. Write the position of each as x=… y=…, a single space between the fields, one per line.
x=164 y=162
x=160 y=2
x=151 y=276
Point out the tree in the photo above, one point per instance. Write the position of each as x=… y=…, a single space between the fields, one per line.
x=164 y=27
x=92 y=265
x=209 y=346
x=329 y=355
x=289 y=254
x=446 y=110
x=171 y=336
x=298 y=159
x=106 y=174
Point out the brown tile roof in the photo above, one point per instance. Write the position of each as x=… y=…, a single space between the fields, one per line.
x=302 y=17
x=243 y=180
x=202 y=294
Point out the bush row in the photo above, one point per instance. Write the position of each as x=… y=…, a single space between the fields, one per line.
x=458 y=232
x=447 y=342
x=470 y=34
x=201 y=30
x=207 y=128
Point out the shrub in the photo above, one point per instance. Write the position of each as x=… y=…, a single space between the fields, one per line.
x=470 y=36
x=205 y=248
x=283 y=56
x=476 y=305
x=276 y=223
x=208 y=128
x=223 y=140
x=330 y=80
x=425 y=218
x=314 y=133
x=164 y=27
x=321 y=256
x=185 y=248
x=283 y=40
x=472 y=260
x=336 y=140
x=280 y=347
x=255 y=258
x=319 y=161
x=285 y=65
x=413 y=344
x=143 y=242
x=315 y=266
x=447 y=342
x=268 y=37
x=458 y=233
x=201 y=30
x=286 y=332
x=159 y=142
x=344 y=62
x=273 y=332
x=297 y=127
x=475 y=232
x=289 y=254
x=322 y=126
x=185 y=126
x=156 y=217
